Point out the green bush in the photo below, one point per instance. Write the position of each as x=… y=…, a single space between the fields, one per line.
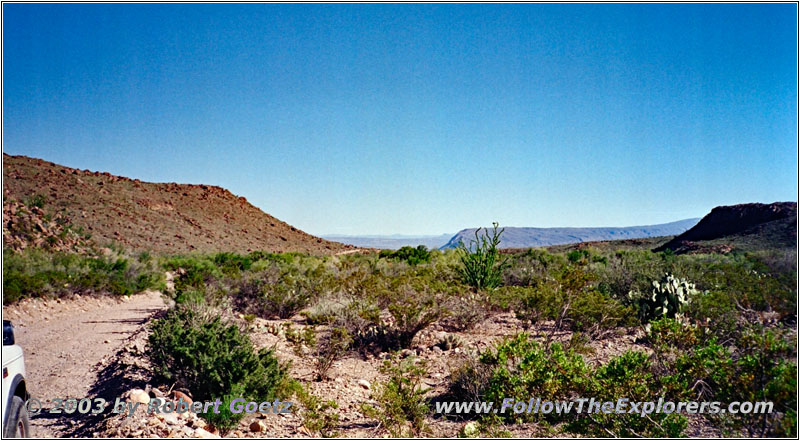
x=213 y=359
x=521 y=368
x=37 y=273
x=481 y=267
x=628 y=376
x=281 y=290
x=319 y=416
x=532 y=267
x=758 y=369
x=414 y=256
x=764 y=372
x=386 y=312
x=570 y=300
x=402 y=407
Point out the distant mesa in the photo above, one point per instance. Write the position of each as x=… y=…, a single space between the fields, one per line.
x=524 y=237
x=392 y=242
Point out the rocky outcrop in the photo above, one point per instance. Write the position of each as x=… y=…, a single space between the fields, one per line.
x=25 y=227
x=734 y=220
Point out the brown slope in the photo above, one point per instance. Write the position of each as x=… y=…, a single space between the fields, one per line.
x=165 y=218
x=743 y=226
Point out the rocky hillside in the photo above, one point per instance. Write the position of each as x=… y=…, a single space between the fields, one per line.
x=167 y=218
x=515 y=237
x=25 y=227
x=743 y=226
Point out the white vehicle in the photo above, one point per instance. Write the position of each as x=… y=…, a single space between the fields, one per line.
x=15 y=416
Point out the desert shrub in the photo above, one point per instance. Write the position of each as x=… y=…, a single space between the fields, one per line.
x=468 y=380
x=192 y=272
x=717 y=314
x=36 y=200
x=415 y=305
x=764 y=372
x=361 y=319
x=329 y=349
x=322 y=312
x=571 y=302
x=36 y=273
x=531 y=267
x=595 y=314
x=231 y=264
x=628 y=376
x=666 y=334
x=750 y=283
x=386 y=313
x=414 y=256
x=629 y=270
x=520 y=368
x=319 y=416
x=281 y=290
x=213 y=359
x=481 y=266
x=465 y=310
x=576 y=256
x=758 y=369
x=299 y=340
x=402 y=407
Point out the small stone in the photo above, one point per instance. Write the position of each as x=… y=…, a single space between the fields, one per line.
x=258 y=426
x=364 y=383
x=138 y=396
x=470 y=430
x=203 y=433
x=176 y=394
x=169 y=418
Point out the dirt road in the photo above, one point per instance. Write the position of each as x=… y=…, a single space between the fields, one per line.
x=69 y=343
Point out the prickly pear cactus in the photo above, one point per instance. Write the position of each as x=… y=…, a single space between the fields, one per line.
x=667 y=299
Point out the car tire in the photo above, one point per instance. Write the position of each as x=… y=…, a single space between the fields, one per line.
x=19 y=425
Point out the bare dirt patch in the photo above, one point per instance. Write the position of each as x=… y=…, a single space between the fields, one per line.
x=67 y=343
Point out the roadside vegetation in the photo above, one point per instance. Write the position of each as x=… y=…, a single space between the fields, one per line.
x=713 y=327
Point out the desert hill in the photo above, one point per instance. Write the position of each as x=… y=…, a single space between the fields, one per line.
x=515 y=237
x=744 y=227
x=161 y=217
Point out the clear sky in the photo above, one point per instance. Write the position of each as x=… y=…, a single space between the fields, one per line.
x=418 y=119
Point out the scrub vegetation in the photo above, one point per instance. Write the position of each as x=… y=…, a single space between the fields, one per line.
x=706 y=327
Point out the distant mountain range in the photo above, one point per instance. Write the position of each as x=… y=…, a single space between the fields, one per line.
x=516 y=237
x=392 y=242
x=523 y=237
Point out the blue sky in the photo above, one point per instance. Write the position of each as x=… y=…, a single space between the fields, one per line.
x=418 y=119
